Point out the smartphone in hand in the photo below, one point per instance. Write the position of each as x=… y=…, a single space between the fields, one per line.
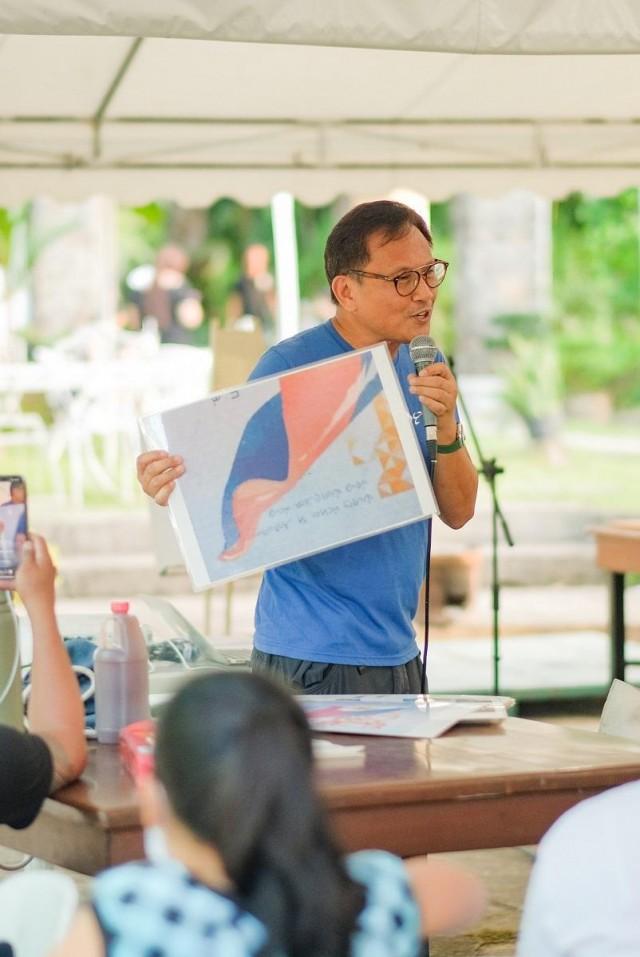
x=13 y=526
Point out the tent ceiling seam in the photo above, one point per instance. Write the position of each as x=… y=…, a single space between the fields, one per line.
x=439 y=141
x=343 y=121
x=247 y=140
x=74 y=162
x=98 y=116
x=540 y=146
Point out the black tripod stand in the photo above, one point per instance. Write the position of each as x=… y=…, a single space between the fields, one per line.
x=490 y=469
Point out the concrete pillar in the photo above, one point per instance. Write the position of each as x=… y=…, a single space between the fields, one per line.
x=74 y=279
x=503 y=265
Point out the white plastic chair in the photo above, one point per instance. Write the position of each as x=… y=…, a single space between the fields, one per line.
x=621 y=711
x=36 y=909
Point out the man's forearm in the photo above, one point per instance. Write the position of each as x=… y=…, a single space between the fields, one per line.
x=456 y=487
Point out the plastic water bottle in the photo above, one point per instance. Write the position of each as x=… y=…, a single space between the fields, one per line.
x=122 y=674
x=10 y=673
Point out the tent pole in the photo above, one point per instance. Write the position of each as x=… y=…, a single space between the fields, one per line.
x=286 y=262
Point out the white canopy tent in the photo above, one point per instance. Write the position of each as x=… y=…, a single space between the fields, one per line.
x=195 y=99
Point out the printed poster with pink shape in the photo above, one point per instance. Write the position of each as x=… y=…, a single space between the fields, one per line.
x=293 y=464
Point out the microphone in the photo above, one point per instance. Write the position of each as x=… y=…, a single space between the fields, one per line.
x=423 y=351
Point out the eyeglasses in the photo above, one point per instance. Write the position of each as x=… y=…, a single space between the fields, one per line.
x=407 y=282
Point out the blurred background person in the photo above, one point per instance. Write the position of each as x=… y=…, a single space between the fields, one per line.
x=167 y=297
x=254 y=293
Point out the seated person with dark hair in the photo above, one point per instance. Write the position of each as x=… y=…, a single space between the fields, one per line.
x=54 y=752
x=242 y=858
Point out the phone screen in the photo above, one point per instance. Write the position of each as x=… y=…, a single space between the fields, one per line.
x=13 y=525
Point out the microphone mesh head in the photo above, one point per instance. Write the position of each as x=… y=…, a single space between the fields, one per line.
x=423 y=350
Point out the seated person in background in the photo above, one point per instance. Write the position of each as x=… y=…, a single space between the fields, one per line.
x=54 y=752
x=244 y=862
x=583 y=896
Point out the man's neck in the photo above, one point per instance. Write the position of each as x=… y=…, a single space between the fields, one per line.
x=356 y=339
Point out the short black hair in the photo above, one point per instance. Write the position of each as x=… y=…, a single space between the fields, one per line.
x=348 y=243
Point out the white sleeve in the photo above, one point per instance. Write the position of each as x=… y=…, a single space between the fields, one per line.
x=539 y=931
x=566 y=911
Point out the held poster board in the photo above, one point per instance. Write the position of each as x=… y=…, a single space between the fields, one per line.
x=292 y=464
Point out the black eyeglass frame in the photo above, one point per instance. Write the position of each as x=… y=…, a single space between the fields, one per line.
x=420 y=273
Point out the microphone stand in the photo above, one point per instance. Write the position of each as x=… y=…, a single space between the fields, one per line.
x=490 y=469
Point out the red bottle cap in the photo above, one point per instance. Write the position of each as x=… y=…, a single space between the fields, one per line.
x=119 y=607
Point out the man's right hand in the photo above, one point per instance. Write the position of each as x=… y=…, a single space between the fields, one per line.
x=157 y=473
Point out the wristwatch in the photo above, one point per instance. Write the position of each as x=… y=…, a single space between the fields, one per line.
x=456 y=444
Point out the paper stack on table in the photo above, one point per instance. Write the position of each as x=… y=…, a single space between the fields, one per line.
x=403 y=716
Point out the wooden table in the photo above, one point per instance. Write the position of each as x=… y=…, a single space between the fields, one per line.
x=618 y=551
x=490 y=786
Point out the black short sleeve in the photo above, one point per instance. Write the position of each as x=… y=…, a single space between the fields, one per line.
x=26 y=775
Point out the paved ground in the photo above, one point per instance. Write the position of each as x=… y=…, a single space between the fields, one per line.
x=505 y=874
x=539 y=610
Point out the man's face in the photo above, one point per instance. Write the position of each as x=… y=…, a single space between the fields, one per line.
x=18 y=494
x=380 y=313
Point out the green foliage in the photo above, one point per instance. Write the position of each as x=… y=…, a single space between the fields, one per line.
x=141 y=232
x=5 y=236
x=596 y=266
x=35 y=242
x=528 y=325
x=443 y=328
x=313 y=225
x=533 y=386
x=593 y=362
x=595 y=324
x=218 y=266
x=19 y=268
x=533 y=379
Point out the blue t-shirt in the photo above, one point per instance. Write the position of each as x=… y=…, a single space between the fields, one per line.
x=355 y=604
x=146 y=909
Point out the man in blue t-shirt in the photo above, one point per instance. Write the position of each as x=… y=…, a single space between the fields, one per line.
x=341 y=622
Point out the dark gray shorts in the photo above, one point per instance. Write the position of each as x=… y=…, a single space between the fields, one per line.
x=318 y=677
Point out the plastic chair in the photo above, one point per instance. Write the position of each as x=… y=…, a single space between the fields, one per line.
x=621 y=712
x=36 y=910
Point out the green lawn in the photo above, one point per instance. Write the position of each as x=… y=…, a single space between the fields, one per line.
x=599 y=479
x=33 y=465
